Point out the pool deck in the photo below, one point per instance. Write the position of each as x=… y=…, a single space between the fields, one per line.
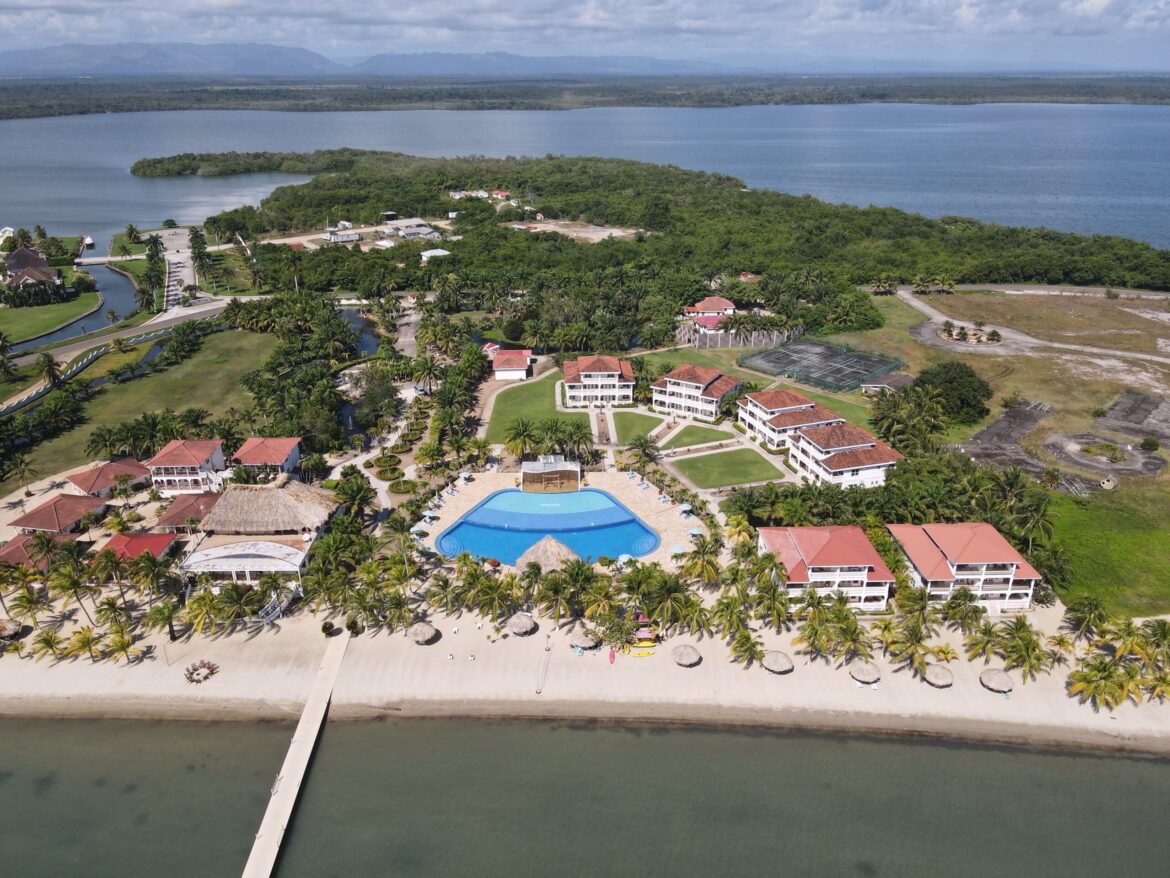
x=665 y=520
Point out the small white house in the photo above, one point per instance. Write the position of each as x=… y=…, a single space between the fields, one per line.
x=510 y=365
x=437 y=253
x=337 y=236
x=385 y=243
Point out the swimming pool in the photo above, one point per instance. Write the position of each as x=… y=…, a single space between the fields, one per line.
x=590 y=522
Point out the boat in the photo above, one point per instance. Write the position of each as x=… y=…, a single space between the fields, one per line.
x=87 y=241
x=643 y=652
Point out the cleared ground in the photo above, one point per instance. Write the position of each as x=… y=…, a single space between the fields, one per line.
x=528 y=399
x=725 y=468
x=586 y=233
x=631 y=424
x=693 y=435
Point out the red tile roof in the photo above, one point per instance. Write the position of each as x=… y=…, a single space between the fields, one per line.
x=185 y=452
x=101 y=478
x=879 y=455
x=701 y=375
x=774 y=400
x=59 y=515
x=16 y=552
x=710 y=322
x=800 y=548
x=127 y=546
x=930 y=546
x=511 y=360
x=817 y=414
x=720 y=387
x=187 y=506
x=711 y=303
x=573 y=369
x=261 y=451
x=838 y=436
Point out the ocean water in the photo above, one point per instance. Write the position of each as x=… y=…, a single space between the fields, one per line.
x=1085 y=168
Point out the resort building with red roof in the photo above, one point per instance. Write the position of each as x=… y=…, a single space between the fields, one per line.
x=269 y=456
x=773 y=416
x=712 y=306
x=841 y=454
x=61 y=515
x=188 y=466
x=598 y=380
x=100 y=480
x=974 y=555
x=187 y=511
x=828 y=560
x=692 y=392
x=127 y=547
x=19 y=552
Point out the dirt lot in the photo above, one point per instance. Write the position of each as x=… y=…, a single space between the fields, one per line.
x=584 y=232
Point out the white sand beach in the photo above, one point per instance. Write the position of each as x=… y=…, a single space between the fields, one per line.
x=267 y=675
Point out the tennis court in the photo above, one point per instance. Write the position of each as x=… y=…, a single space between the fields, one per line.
x=822 y=365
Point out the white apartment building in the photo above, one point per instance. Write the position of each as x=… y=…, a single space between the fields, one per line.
x=972 y=555
x=773 y=416
x=598 y=380
x=842 y=455
x=831 y=559
x=188 y=466
x=692 y=392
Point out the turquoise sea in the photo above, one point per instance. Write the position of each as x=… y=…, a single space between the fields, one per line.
x=497 y=798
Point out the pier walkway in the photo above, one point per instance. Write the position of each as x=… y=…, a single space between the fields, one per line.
x=266 y=848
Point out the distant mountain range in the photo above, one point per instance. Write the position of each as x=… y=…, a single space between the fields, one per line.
x=259 y=59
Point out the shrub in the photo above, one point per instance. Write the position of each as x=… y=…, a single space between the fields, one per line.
x=327 y=628
x=391 y=474
x=963 y=392
x=368 y=464
x=401 y=448
x=402 y=486
x=384 y=460
x=1150 y=444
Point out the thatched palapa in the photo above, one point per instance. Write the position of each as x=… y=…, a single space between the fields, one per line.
x=422 y=633
x=777 y=662
x=939 y=677
x=996 y=679
x=521 y=624
x=10 y=629
x=279 y=507
x=865 y=673
x=583 y=638
x=550 y=553
x=686 y=656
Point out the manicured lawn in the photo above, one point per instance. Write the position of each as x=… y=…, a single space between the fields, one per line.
x=1117 y=545
x=678 y=356
x=693 y=435
x=727 y=468
x=135 y=248
x=209 y=380
x=25 y=376
x=631 y=424
x=22 y=323
x=528 y=399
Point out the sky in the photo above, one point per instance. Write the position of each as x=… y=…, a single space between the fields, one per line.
x=786 y=35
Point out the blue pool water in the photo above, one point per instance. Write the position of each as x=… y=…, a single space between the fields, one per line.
x=590 y=522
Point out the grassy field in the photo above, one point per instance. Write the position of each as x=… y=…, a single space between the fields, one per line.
x=22 y=323
x=209 y=380
x=1117 y=545
x=529 y=399
x=693 y=435
x=726 y=468
x=135 y=248
x=136 y=319
x=23 y=378
x=724 y=360
x=893 y=339
x=631 y=424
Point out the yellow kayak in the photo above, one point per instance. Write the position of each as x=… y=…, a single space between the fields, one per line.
x=643 y=652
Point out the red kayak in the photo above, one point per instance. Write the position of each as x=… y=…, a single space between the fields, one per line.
x=612 y=655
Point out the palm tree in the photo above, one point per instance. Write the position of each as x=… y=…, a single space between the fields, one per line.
x=150 y=574
x=132 y=234
x=646 y=453
x=1084 y=616
x=48 y=642
x=730 y=613
x=771 y=604
x=909 y=647
x=71 y=587
x=702 y=562
x=1099 y=680
x=121 y=644
x=746 y=648
x=669 y=597
x=849 y=639
x=739 y=531
x=20 y=467
x=46 y=366
x=164 y=614
x=1022 y=649
x=426 y=370
x=984 y=642
x=520 y=438
x=29 y=603
x=962 y=610
x=85 y=641
x=200 y=613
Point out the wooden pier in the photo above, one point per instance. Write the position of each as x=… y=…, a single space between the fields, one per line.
x=266 y=847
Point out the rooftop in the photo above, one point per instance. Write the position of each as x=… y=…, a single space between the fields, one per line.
x=281 y=506
x=59 y=515
x=104 y=476
x=17 y=552
x=838 y=436
x=185 y=452
x=260 y=451
x=931 y=546
x=596 y=363
x=245 y=555
x=711 y=303
x=511 y=359
x=800 y=548
x=774 y=400
x=128 y=546
x=186 y=507
x=701 y=375
x=816 y=414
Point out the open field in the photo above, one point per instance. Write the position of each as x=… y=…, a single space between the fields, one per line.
x=1125 y=325
x=229 y=277
x=892 y=339
x=586 y=233
x=209 y=380
x=694 y=435
x=724 y=360
x=22 y=323
x=134 y=248
x=24 y=377
x=1117 y=545
x=725 y=468
x=631 y=424
x=529 y=399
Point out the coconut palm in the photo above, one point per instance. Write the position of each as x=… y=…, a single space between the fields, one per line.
x=556 y=598
x=730 y=612
x=48 y=642
x=110 y=612
x=944 y=652
x=85 y=641
x=812 y=638
x=162 y=615
x=1100 y=680
x=1022 y=649
x=984 y=642
x=29 y=603
x=909 y=647
x=645 y=453
x=150 y=574
x=521 y=437
x=849 y=640
x=813 y=606
x=746 y=648
x=121 y=644
x=46 y=366
x=1156 y=685
x=1127 y=638
x=20 y=467
x=668 y=598
x=770 y=603
x=962 y=610
x=601 y=600
x=235 y=603
x=1157 y=635
x=739 y=531
x=67 y=584
x=702 y=562
x=200 y=613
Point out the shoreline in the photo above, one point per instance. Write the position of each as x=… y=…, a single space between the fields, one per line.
x=101 y=301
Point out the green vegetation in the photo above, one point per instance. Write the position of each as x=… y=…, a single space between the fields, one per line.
x=725 y=468
x=962 y=394
x=120 y=245
x=631 y=424
x=22 y=378
x=23 y=323
x=1116 y=542
x=530 y=400
x=695 y=435
x=692 y=357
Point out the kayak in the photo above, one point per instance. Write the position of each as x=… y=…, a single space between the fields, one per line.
x=612 y=655
x=643 y=652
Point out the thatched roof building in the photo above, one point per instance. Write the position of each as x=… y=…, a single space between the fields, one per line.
x=281 y=506
x=521 y=624
x=865 y=673
x=686 y=656
x=422 y=633
x=996 y=679
x=550 y=553
x=939 y=677
x=777 y=662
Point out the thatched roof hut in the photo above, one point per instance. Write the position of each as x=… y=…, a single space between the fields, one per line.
x=549 y=552
x=939 y=677
x=10 y=629
x=686 y=656
x=865 y=673
x=996 y=679
x=422 y=633
x=281 y=506
x=583 y=638
x=777 y=662
x=521 y=624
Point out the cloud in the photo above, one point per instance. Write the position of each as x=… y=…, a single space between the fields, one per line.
x=727 y=30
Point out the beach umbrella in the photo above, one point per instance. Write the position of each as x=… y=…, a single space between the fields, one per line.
x=549 y=552
x=685 y=507
x=465 y=475
x=10 y=629
x=422 y=633
x=866 y=673
x=583 y=638
x=996 y=679
x=777 y=662
x=417 y=528
x=677 y=550
x=695 y=531
x=624 y=559
x=686 y=656
x=521 y=624
x=939 y=677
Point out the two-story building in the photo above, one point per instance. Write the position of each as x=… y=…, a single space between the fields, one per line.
x=842 y=455
x=188 y=466
x=598 y=380
x=773 y=416
x=692 y=392
x=831 y=559
x=707 y=315
x=269 y=456
x=972 y=555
